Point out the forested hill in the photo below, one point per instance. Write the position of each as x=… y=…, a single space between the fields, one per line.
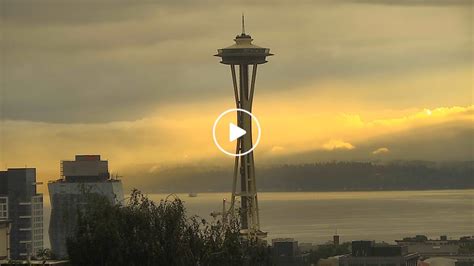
x=328 y=176
x=368 y=176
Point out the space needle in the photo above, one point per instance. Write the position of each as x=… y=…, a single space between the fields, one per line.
x=243 y=55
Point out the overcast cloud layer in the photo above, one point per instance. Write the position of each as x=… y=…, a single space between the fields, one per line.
x=100 y=61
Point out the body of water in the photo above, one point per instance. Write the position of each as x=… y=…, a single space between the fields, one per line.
x=315 y=216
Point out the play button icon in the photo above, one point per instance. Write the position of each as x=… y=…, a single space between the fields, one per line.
x=235 y=132
x=228 y=135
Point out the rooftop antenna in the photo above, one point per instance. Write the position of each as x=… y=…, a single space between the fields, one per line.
x=243 y=24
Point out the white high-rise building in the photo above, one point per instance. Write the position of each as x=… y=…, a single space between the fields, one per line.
x=86 y=173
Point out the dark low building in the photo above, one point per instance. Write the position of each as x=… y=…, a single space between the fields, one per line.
x=370 y=253
x=284 y=247
x=442 y=247
x=286 y=252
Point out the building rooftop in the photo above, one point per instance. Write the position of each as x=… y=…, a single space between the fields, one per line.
x=283 y=240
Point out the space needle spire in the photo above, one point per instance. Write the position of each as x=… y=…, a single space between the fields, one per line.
x=242 y=55
x=243 y=24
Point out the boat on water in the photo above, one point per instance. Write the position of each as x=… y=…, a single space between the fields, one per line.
x=192 y=194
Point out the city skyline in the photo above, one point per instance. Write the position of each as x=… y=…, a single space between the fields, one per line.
x=366 y=80
x=126 y=140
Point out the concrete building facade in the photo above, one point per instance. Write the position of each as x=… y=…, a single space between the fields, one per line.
x=86 y=174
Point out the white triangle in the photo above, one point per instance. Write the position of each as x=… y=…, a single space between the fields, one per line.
x=235 y=132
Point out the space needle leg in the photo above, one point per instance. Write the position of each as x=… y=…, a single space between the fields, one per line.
x=236 y=161
x=245 y=123
x=252 y=85
x=236 y=90
x=234 y=180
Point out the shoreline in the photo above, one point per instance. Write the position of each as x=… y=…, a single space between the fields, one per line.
x=306 y=191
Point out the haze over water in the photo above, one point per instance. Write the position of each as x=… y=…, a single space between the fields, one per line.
x=314 y=216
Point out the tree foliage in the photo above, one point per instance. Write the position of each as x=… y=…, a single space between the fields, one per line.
x=45 y=254
x=143 y=232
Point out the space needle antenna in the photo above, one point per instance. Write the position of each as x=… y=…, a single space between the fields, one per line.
x=243 y=24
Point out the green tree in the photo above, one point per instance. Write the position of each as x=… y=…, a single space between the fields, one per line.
x=45 y=254
x=143 y=232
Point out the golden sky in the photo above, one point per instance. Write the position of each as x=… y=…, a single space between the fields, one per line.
x=350 y=80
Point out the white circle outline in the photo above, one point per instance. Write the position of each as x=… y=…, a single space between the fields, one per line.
x=236 y=110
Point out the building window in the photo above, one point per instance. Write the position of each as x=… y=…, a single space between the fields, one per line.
x=3 y=208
